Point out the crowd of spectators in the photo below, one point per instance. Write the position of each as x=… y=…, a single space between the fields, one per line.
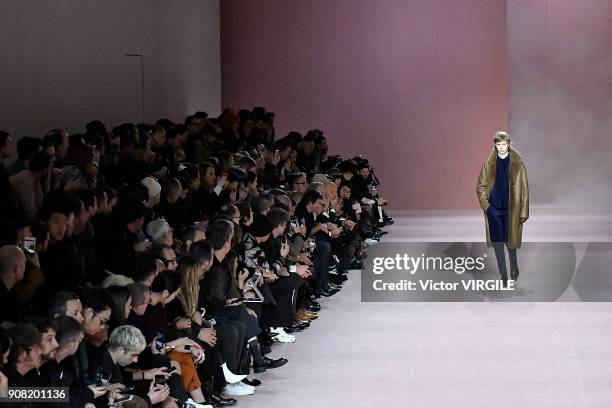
x=156 y=264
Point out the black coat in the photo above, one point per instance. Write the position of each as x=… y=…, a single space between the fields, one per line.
x=63 y=374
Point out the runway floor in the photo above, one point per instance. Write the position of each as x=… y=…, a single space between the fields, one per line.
x=449 y=354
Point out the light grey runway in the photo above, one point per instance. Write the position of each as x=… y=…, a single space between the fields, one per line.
x=449 y=354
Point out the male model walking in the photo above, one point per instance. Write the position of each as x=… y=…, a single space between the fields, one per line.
x=503 y=193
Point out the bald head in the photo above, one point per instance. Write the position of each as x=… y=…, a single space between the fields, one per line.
x=12 y=265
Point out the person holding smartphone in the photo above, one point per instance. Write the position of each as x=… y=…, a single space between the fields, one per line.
x=188 y=319
x=124 y=347
x=221 y=291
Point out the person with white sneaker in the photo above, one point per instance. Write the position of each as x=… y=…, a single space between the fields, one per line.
x=223 y=297
x=282 y=336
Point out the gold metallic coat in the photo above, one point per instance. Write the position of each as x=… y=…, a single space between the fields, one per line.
x=518 y=205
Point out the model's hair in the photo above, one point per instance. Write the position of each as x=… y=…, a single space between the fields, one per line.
x=501 y=136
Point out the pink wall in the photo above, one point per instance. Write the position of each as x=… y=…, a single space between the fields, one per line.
x=63 y=62
x=560 y=99
x=417 y=85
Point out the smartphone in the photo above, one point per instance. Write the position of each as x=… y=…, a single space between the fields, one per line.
x=159 y=340
x=29 y=245
x=212 y=322
x=255 y=277
x=122 y=399
x=101 y=380
x=160 y=380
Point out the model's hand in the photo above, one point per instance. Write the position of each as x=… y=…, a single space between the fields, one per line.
x=522 y=220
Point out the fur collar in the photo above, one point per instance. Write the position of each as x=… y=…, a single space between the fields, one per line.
x=515 y=160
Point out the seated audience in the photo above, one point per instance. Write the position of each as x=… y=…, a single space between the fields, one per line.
x=163 y=261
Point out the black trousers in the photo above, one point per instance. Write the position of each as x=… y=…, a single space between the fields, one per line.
x=231 y=338
x=238 y=313
x=285 y=292
x=500 y=254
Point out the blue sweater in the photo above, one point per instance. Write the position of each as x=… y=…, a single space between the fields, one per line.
x=500 y=195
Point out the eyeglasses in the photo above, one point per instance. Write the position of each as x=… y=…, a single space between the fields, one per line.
x=170 y=261
x=103 y=321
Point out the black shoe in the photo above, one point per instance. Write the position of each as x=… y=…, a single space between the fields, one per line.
x=295 y=327
x=337 y=280
x=312 y=306
x=268 y=364
x=334 y=286
x=514 y=274
x=312 y=309
x=302 y=323
x=314 y=303
x=328 y=292
x=504 y=279
x=253 y=383
x=361 y=255
x=216 y=400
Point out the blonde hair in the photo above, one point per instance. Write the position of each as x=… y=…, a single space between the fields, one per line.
x=190 y=285
x=501 y=136
x=116 y=280
x=128 y=337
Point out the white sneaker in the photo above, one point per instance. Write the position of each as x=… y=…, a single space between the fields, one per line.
x=230 y=377
x=282 y=336
x=192 y=404
x=238 y=389
x=247 y=386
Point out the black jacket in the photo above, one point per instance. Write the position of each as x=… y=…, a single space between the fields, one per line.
x=63 y=374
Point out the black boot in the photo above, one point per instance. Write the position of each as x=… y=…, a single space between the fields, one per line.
x=504 y=279
x=514 y=270
x=261 y=363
